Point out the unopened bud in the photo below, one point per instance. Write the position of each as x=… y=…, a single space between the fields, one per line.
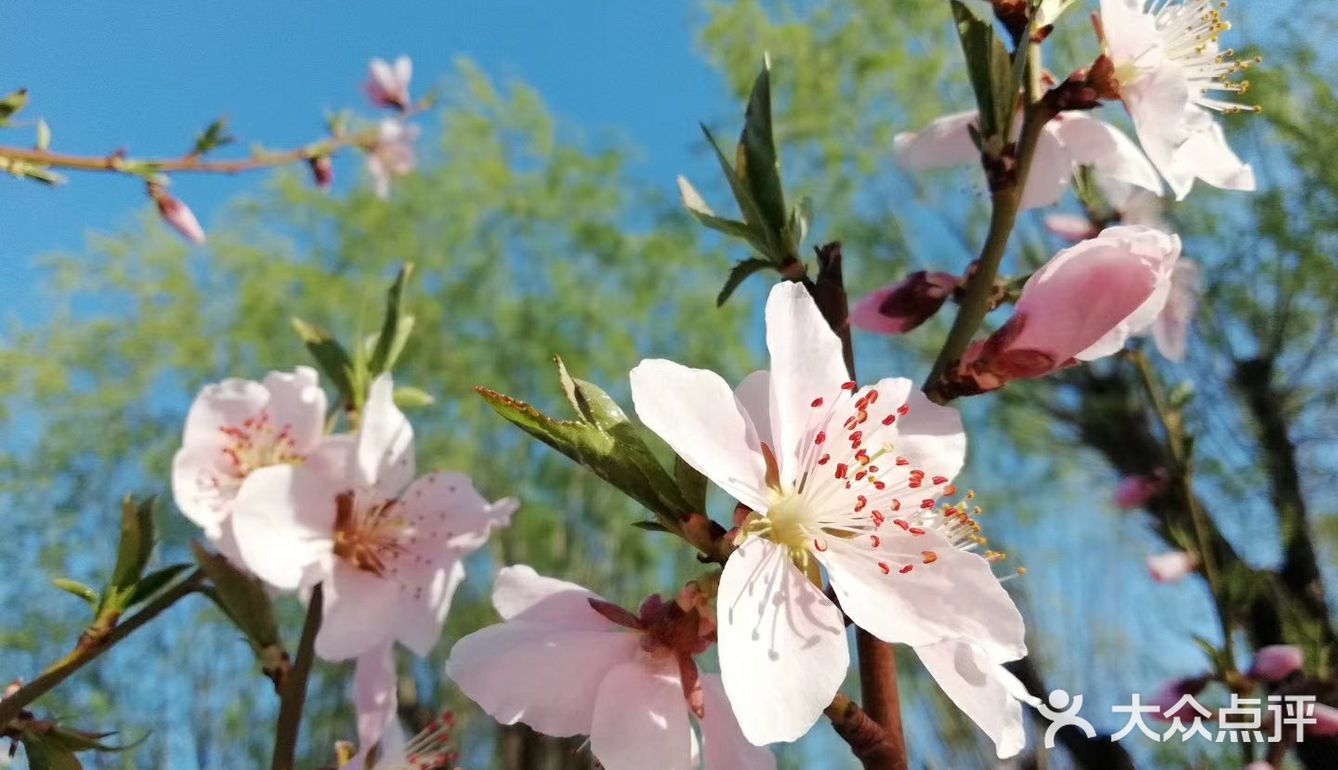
x=903 y=306
x=1276 y=662
x=322 y=171
x=1171 y=567
x=176 y=214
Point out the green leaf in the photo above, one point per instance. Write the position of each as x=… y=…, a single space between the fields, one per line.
x=78 y=589
x=756 y=159
x=691 y=483
x=992 y=77
x=747 y=204
x=692 y=201
x=77 y=740
x=331 y=357
x=737 y=274
x=650 y=526
x=12 y=104
x=407 y=397
x=152 y=583
x=395 y=327
x=45 y=753
x=241 y=596
x=603 y=440
x=213 y=137
x=136 y=542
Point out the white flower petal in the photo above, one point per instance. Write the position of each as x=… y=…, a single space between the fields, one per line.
x=283 y=521
x=946 y=141
x=520 y=593
x=724 y=746
x=385 y=442
x=696 y=414
x=297 y=403
x=977 y=687
x=374 y=697
x=1096 y=143
x=360 y=612
x=754 y=395
x=641 y=720
x=782 y=643
x=543 y=675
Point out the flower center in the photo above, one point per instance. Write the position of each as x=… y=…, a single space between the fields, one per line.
x=791 y=520
x=258 y=443
x=367 y=537
x=1189 y=32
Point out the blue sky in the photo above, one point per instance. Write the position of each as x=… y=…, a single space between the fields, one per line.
x=151 y=74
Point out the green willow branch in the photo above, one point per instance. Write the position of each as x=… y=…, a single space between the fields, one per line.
x=294 y=696
x=90 y=648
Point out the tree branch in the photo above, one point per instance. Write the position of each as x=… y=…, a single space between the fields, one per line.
x=294 y=696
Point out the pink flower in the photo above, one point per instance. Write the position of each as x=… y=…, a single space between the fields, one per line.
x=1136 y=491
x=237 y=427
x=1070 y=140
x=1259 y=765
x=1326 y=720
x=1171 y=567
x=387 y=85
x=840 y=478
x=391 y=155
x=901 y=307
x=377 y=705
x=566 y=662
x=387 y=550
x=1170 y=697
x=1170 y=331
x=1070 y=227
x=1082 y=305
x=1170 y=68
x=1276 y=662
x=177 y=214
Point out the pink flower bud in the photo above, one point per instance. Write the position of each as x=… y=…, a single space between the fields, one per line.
x=1260 y=765
x=177 y=214
x=322 y=171
x=1276 y=662
x=1136 y=491
x=1171 y=567
x=392 y=155
x=1082 y=305
x=1170 y=693
x=1326 y=720
x=387 y=85
x=1070 y=227
x=903 y=306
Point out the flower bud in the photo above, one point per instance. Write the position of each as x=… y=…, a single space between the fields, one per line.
x=322 y=171
x=1136 y=491
x=1326 y=720
x=1082 y=305
x=1276 y=662
x=387 y=85
x=1170 y=693
x=1171 y=567
x=901 y=307
x=176 y=214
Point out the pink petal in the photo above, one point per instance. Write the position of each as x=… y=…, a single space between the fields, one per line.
x=783 y=650
x=696 y=414
x=385 y=443
x=1171 y=330
x=228 y=403
x=806 y=363
x=640 y=720
x=929 y=435
x=283 y=519
x=297 y=404
x=544 y=675
x=520 y=593
x=976 y=685
x=754 y=396
x=1093 y=142
x=1070 y=227
x=1051 y=170
x=1171 y=567
x=956 y=596
x=360 y=612
x=1136 y=491
x=724 y=746
x=1326 y=720
x=944 y=142
x=1276 y=662
x=905 y=305
x=374 y=697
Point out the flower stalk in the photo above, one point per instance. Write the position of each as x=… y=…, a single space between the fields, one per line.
x=294 y=696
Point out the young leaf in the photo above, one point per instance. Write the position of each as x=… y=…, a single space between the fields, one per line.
x=756 y=159
x=331 y=357
x=78 y=589
x=136 y=542
x=747 y=204
x=691 y=483
x=12 y=104
x=213 y=137
x=991 y=73
x=152 y=583
x=407 y=397
x=737 y=274
x=395 y=327
x=45 y=753
x=241 y=596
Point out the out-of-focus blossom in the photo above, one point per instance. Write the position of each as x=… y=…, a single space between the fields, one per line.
x=388 y=84
x=1082 y=305
x=387 y=550
x=237 y=427
x=1171 y=567
x=1136 y=491
x=177 y=214
x=1276 y=662
x=567 y=662
x=1170 y=331
x=1070 y=140
x=905 y=305
x=322 y=171
x=391 y=155
x=1070 y=227
x=1170 y=71
x=1259 y=765
x=840 y=478
x=1326 y=720
x=1171 y=693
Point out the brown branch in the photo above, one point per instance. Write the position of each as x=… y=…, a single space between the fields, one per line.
x=294 y=696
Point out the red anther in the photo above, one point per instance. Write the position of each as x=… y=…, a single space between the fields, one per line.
x=860 y=502
x=904 y=570
x=821 y=437
x=859 y=476
x=886 y=569
x=888 y=420
x=873 y=469
x=841 y=470
x=851 y=423
x=904 y=410
x=901 y=461
x=927 y=503
x=896 y=505
x=857 y=437
x=878 y=518
x=823 y=460
x=819 y=545
x=916 y=531
x=950 y=490
x=863 y=457
x=880 y=486
x=850 y=386
x=929 y=556
x=913 y=484
x=940 y=480
x=877 y=541
x=906 y=525
x=817 y=402
x=863 y=416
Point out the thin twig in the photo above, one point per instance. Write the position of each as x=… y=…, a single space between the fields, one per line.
x=294 y=696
